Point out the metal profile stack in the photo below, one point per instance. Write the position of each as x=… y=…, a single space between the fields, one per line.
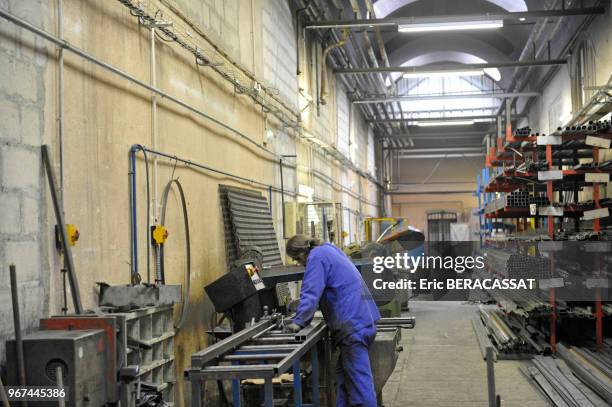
x=495 y=204
x=517 y=265
x=592 y=369
x=523 y=197
x=509 y=338
x=561 y=381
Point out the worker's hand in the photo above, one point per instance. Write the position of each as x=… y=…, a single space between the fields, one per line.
x=292 y=328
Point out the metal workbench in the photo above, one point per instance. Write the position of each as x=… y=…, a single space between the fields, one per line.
x=263 y=351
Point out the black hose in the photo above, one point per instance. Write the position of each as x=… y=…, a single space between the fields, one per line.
x=164 y=203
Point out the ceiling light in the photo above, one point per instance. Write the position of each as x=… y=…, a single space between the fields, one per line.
x=450 y=26
x=437 y=74
x=522 y=19
x=445 y=123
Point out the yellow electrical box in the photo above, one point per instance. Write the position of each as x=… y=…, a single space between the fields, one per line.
x=159 y=234
x=72 y=233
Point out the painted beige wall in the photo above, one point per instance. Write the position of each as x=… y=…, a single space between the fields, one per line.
x=105 y=115
x=415 y=207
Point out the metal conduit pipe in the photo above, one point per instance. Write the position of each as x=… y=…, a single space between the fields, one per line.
x=349 y=60
x=196 y=52
x=133 y=195
x=565 y=51
x=60 y=101
x=376 y=80
x=534 y=36
x=67 y=46
x=369 y=49
x=139 y=11
x=225 y=55
x=383 y=53
x=324 y=92
x=77 y=51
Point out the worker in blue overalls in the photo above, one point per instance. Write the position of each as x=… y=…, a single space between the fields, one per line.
x=332 y=282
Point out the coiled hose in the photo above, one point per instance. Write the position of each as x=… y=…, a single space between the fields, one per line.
x=164 y=204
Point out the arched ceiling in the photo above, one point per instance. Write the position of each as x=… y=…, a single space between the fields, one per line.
x=504 y=44
x=384 y=8
x=438 y=57
x=395 y=103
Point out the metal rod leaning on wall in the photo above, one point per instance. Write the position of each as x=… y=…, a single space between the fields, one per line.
x=59 y=217
x=21 y=373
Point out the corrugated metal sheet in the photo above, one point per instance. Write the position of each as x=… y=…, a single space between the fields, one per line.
x=253 y=226
x=248 y=222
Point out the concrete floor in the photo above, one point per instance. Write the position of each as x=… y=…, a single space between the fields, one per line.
x=441 y=364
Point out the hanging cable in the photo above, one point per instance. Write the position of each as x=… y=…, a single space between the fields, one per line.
x=164 y=203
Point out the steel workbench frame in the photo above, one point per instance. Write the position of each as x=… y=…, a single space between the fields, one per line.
x=273 y=352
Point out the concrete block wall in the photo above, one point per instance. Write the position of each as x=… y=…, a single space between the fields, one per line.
x=218 y=18
x=279 y=56
x=22 y=211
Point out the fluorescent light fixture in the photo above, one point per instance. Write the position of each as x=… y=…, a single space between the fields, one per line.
x=522 y=19
x=450 y=26
x=443 y=74
x=445 y=123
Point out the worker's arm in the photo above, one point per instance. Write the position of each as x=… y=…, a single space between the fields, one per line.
x=313 y=285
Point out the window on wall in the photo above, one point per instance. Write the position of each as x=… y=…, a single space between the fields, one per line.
x=582 y=73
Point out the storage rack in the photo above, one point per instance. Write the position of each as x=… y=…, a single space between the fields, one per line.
x=553 y=162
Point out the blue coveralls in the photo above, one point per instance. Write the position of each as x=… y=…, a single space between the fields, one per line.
x=334 y=283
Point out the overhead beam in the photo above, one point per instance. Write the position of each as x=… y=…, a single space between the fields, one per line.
x=408 y=98
x=396 y=21
x=436 y=69
x=471 y=109
x=431 y=119
x=450 y=134
x=445 y=192
x=436 y=150
x=448 y=155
